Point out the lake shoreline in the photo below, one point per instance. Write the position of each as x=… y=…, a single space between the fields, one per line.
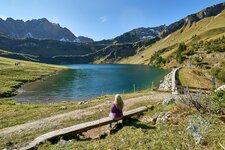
x=128 y=77
x=16 y=73
x=21 y=88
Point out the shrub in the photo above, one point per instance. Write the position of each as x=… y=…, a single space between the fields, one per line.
x=219 y=73
x=215 y=71
x=182 y=47
x=216 y=102
x=180 y=58
x=159 y=60
x=197 y=59
x=189 y=52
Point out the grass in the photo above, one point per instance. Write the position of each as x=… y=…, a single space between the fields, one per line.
x=206 y=29
x=136 y=135
x=147 y=135
x=22 y=138
x=13 y=76
x=14 y=114
x=18 y=55
x=194 y=78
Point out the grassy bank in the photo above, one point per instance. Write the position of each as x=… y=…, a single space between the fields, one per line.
x=14 y=73
x=194 y=78
x=139 y=133
x=145 y=134
x=14 y=114
x=19 y=139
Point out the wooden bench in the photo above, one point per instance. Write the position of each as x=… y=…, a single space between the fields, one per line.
x=76 y=129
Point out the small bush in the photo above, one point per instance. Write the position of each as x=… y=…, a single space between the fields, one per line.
x=219 y=73
x=190 y=52
x=216 y=102
x=7 y=102
x=179 y=57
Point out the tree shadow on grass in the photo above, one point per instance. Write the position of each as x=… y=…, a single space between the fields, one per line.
x=137 y=124
x=131 y=122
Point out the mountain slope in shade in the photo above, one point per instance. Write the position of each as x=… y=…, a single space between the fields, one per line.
x=38 y=29
x=84 y=39
x=46 y=48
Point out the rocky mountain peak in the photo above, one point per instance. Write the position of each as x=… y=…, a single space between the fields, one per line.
x=38 y=29
x=140 y=33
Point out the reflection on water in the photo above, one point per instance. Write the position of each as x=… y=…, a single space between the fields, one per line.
x=88 y=81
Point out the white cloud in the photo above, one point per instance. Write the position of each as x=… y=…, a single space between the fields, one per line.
x=3 y=17
x=103 y=19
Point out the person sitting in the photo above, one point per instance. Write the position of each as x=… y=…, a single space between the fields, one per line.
x=116 y=108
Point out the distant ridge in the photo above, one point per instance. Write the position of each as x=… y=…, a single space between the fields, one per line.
x=38 y=29
x=207 y=12
x=140 y=34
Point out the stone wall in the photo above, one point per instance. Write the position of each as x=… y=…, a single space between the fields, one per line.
x=169 y=81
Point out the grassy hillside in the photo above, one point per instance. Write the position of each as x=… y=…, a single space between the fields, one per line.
x=13 y=76
x=115 y=52
x=204 y=51
x=110 y=54
x=194 y=78
x=143 y=133
x=205 y=29
x=19 y=56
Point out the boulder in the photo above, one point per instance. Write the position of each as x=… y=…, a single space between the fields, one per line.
x=163 y=117
x=168 y=101
x=82 y=102
x=63 y=108
x=63 y=142
x=220 y=88
x=108 y=102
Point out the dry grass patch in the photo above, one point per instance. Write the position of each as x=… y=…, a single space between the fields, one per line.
x=194 y=78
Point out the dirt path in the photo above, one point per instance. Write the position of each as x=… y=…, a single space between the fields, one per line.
x=57 y=119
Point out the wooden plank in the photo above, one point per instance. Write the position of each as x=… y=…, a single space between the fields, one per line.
x=189 y=87
x=80 y=128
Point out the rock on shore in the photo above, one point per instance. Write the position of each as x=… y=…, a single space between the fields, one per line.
x=166 y=84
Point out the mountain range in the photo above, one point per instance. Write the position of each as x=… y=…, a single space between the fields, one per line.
x=41 y=40
x=38 y=29
x=140 y=34
x=43 y=29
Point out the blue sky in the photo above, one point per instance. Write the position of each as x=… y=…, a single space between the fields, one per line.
x=103 y=19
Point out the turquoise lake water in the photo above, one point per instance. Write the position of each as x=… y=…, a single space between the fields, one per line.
x=87 y=81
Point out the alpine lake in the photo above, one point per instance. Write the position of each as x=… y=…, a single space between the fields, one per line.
x=86 y=81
